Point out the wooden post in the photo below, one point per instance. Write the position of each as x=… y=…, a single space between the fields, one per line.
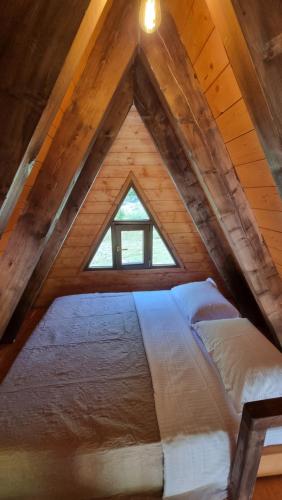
x=173 y=77
x=108 y=61
x=252 y=34
x=257 y=417
x=114 y=118
x=179 y=166
x=40 y=42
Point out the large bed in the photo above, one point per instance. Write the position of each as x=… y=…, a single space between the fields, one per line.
x=114 y=396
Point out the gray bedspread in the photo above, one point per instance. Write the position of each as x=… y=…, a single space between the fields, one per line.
x=77 y=412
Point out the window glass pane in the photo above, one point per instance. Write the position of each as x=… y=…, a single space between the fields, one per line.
x=131 y=208
x=161 y=254
x=103 y=256
x=132 y=247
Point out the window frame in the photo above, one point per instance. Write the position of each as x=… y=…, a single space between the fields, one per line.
x=117 y=226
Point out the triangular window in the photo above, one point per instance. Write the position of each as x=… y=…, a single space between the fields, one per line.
x=132 y=208
x=132 y=239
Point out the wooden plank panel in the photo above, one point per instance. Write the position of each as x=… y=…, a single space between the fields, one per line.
x=37 y=63
x=246 y=35
x=211 y=61
x=255 y=174
x=245 y=149
x=174 y=217
x=133 y=159
x=107 y=63
x=180 y=10
x=235 y=121
x=269 y=219
x=223 y=93
x=197 y=132
x=266 y=198
x=134 y=145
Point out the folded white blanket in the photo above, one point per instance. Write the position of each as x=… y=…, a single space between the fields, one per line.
x=197 y=424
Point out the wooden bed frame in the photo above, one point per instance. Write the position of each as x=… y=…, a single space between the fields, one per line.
x=257 y=418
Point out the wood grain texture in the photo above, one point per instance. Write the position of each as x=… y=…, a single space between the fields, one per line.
x=247 y=29
x=198 y=134
x=67 y=275
x=157 y=122
x=106 y=65
x=38 y=43
x=114 y=118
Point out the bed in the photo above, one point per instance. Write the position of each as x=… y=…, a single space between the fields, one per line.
x=104 y=400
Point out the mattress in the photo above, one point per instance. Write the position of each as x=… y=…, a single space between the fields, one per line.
x=77 y=413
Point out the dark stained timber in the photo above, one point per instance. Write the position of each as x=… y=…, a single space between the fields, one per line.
x=107 y=63
x=35 y=40
x=114 y=118
x=257 y=417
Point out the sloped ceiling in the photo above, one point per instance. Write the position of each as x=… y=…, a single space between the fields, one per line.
x=132 y=156
x=212 y=68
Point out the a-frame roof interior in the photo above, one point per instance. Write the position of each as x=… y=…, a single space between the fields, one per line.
x=183 y=87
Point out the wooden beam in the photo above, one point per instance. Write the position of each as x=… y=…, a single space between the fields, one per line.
x=179 y=166
x=252 y=35
x=172 y=74
x=41 y=44
x=118 y=110
x=106 y=65
x=257 y=417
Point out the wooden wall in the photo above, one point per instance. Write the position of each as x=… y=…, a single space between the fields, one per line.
x=92 y=23
x=217 y=80
x=133 y=153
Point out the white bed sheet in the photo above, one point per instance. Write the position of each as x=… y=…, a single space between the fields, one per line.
x=198 y=424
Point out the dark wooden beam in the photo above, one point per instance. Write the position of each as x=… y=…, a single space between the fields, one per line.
x=252 y=35
x=257 y=417
x=113 y=120
x=173 y=77
x=39 y=43
x=179 y=166
x=106 y=65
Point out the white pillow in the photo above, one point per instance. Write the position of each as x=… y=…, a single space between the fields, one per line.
x=249 y=365
x=202 y=300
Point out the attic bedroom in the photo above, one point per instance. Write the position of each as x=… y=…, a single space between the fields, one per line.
x=141 y=250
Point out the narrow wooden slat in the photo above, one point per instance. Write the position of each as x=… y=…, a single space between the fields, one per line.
x=223 y=93
x=245 y=149
x=211 y=61
x=109 y=59
x=40 y=45
x=192 y=193
x=255 y=174
x=234 y=121
x=266 y=198
x=247 y=29
x=171 y=71
x=119 y=108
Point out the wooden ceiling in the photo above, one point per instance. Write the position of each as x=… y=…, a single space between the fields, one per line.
x=165 y=68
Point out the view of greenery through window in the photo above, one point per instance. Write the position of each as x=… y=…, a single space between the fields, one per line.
x=131 y=208
x=132 y=242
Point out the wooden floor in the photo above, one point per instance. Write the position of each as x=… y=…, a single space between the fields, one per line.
x=269 y=488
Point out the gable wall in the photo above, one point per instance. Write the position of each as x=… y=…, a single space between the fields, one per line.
x=217 y=80
x=133 y=152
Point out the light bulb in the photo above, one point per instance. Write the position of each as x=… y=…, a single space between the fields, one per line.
x=150 y=15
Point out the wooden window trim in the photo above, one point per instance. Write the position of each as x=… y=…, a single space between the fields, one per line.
x=148 y=242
